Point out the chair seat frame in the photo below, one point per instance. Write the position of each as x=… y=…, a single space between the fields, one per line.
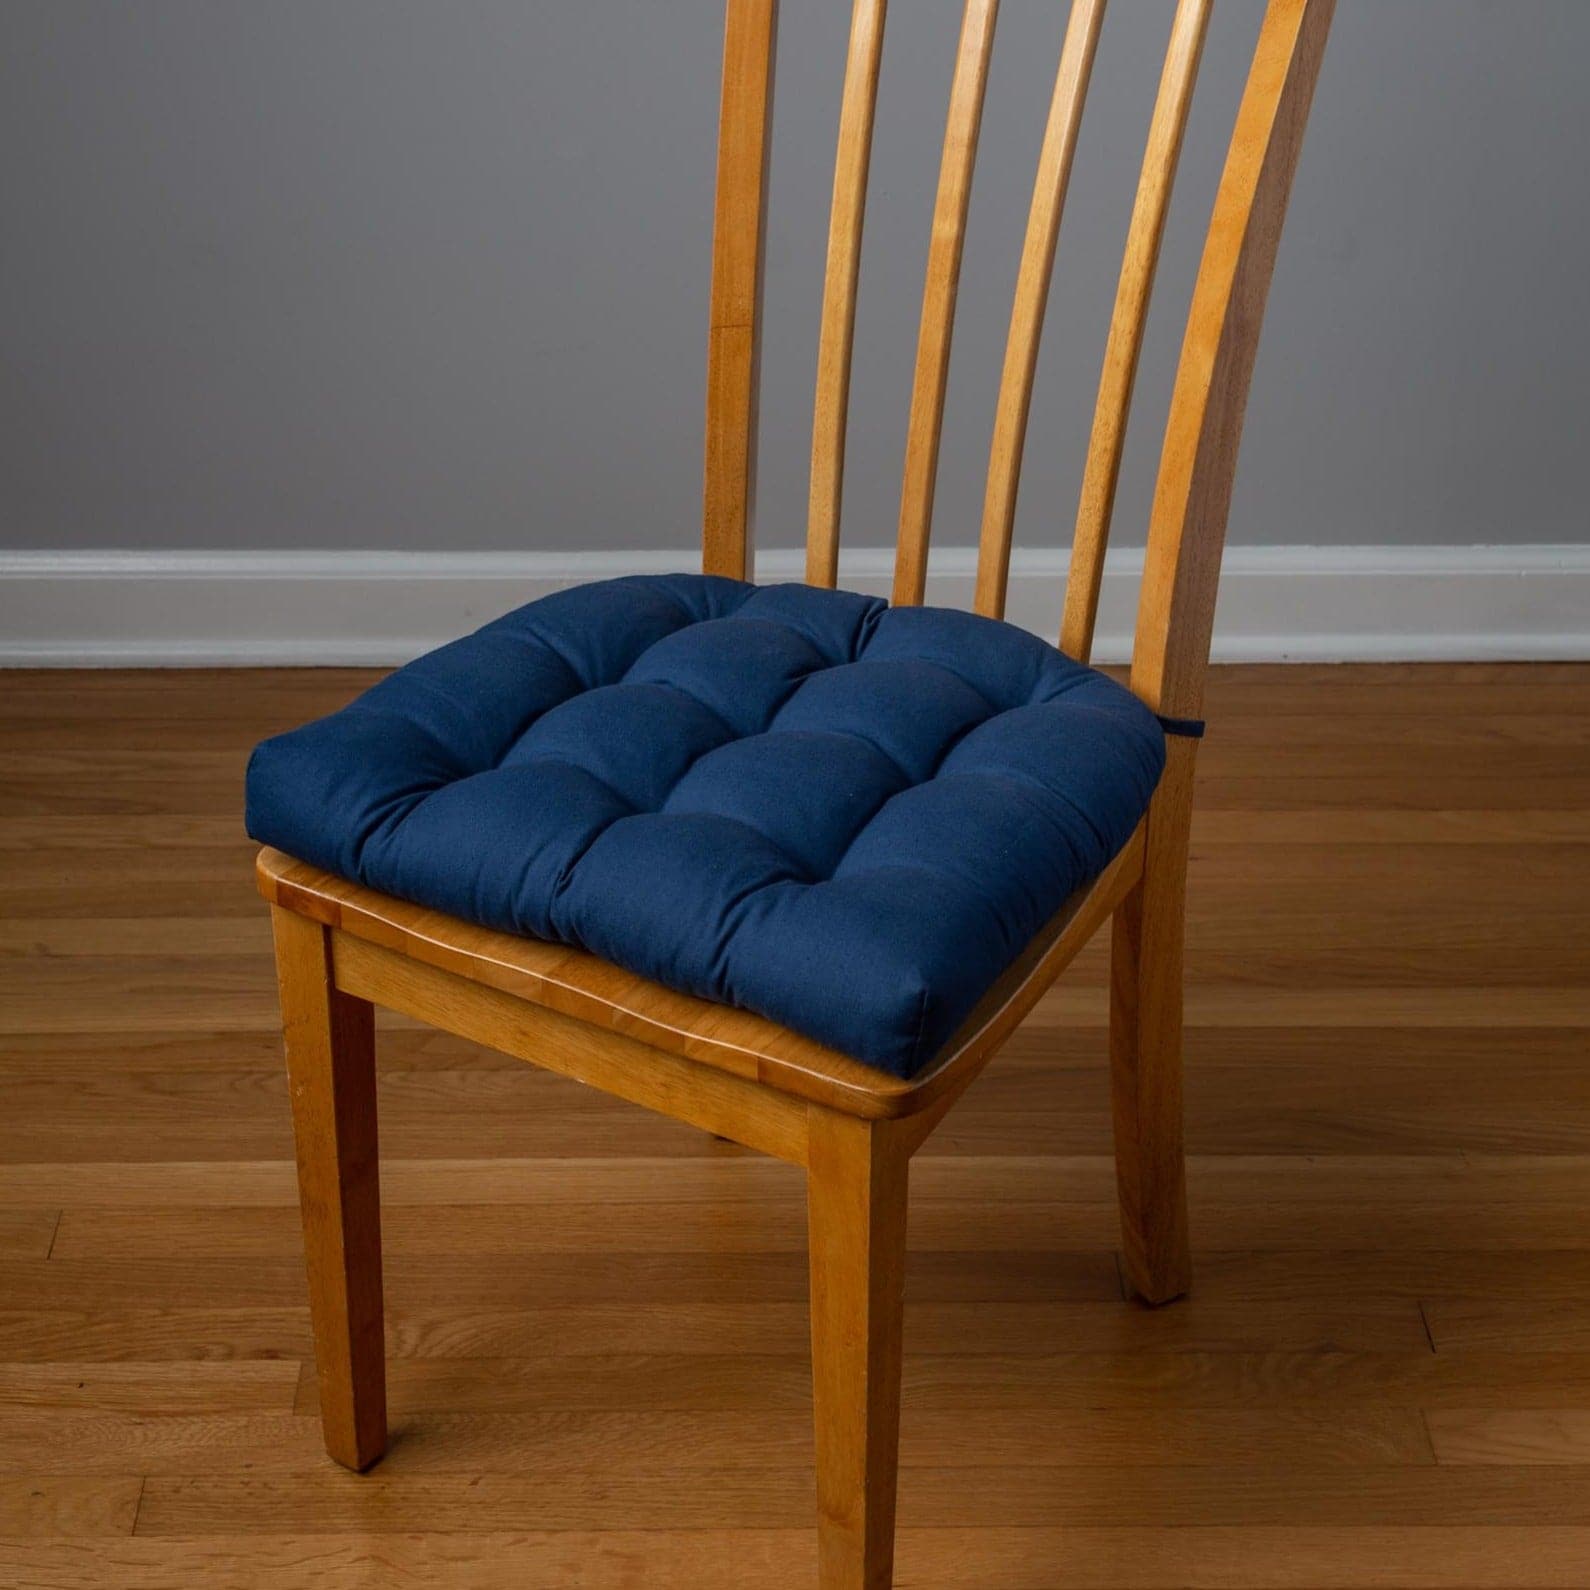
x=343 y=949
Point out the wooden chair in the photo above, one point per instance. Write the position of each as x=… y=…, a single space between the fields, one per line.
x=342 y=948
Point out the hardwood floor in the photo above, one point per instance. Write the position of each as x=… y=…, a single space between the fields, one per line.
x=598 y=1318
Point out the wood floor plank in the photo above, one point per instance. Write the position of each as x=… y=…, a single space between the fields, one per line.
x=1199 y=1558
x=964 y=1497
x=133 y=1331
x=1511 y=1435
x=972 y=1380
x=149 y=1388
x=69 y=1506
x=1507 y=1322
x=1306 y=1277
x=27 y=1233
x=642 y=1439
x=718 y=1173
x=609 y=1277
x=1369 y=826
x=732 y=1225
x=132 y=938
x=134 y=837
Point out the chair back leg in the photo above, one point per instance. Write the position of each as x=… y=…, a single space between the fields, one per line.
x=1146 y=1046
x=856 y=1199
x=330 y=1041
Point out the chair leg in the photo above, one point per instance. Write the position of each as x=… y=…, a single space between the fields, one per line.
x=330 y=1041
x=1146 y=1072
x=856 y=1198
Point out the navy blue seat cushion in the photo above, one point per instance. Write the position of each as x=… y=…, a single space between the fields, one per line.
x=848 y=817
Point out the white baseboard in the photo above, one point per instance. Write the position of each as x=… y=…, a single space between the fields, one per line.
x=1315 y=604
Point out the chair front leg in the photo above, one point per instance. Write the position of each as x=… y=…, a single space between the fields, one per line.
x=330 y=1042
x=1146 y=1048
x=856 y=1200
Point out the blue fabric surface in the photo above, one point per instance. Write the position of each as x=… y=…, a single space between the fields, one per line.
x=847 y=817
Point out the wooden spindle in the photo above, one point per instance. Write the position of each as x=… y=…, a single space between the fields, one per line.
x=840 y=280
x=735 y=340
x=925 y=426
x=1125 y=341
x=1187 y=527
x=1032 y=297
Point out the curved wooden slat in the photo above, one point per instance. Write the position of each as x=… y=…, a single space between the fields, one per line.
x=925 y=426
x=1187 y=528
x=840 y=280
x=735 y=338
x=1125 y=341
x=1032 y=298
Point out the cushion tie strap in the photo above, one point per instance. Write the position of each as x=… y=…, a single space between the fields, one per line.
x=1186 y=728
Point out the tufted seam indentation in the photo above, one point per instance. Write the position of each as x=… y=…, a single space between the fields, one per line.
x=1025 y=780
x=799 y=873
x=859 y=738
x=537 y=638
x=943 y=667
x=911 y=784
x=551 y=760
x=385 y=819
x=570 y=864
x=711 y=711
x=828 y=658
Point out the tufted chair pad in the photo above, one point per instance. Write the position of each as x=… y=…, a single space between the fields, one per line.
x=846 y=817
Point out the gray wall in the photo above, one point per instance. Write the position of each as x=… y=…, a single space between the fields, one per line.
x=400 y=274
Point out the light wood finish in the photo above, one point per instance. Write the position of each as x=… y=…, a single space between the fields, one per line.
x=735 y=339
x=1176 y=619
x=1032 y=299
x=842 y=276
x=1129 y=320
x=726 y=1105
x=598 y=1320
x=342 y=949
x=642 y=1021
x=1146 y=1046
x=329 y=1035
x=1187 y=527
x=857 y=1174
x=1386 y=1558
x=925 y=426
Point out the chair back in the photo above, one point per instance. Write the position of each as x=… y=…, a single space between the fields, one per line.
x=1193 y=492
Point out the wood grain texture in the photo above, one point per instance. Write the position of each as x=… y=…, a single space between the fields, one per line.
x=729 y=1106
x=1146 y=1022
x=841 y=279
x=598 y=1319
x=925 y=425
x=739 y=233
x=1381 y=1557
x=1187 y=525
x=592 y=1359
x=329 y=1037
x=856 y=1179
x=56 y=1507
x=1128 y=321
x=1115 y=1496
x=635 y=1020
x=1031 y=301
